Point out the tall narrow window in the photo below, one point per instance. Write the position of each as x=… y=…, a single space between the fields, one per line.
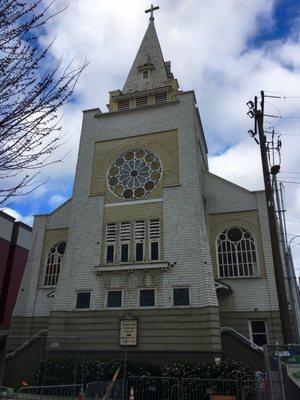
x=53 y=264
x=145 y=74
x=125 y=241
x=139 y=238
x=258 y=332
x=111 y=235
x=154 y=236
x=236 y=253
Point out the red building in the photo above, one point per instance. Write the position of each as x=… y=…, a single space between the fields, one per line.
x=15 y=241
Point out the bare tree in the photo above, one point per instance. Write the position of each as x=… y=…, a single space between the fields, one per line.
x=31 y=93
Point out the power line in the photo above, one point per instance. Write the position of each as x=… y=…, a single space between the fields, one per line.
x=286 y=172
x=297 y=183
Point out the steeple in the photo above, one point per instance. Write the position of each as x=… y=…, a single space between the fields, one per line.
x=149 y=75
x=148 y=70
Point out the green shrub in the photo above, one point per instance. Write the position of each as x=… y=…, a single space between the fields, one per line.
x=65 y=372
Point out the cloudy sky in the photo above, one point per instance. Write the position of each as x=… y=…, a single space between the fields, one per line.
x=227 y=51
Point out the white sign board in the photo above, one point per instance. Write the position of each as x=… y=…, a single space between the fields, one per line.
x=128 y=332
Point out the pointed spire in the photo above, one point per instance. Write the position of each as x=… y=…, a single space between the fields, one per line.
x=148 y=70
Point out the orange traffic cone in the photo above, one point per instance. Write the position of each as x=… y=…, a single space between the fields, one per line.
x=81 y=395
x=131 y=394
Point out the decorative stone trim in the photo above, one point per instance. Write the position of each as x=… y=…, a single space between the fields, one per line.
x=163 y=266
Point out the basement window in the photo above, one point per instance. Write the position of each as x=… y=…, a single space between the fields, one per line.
x=83 y=300
x=181 y=297
x=114 y=298
x=147 y=297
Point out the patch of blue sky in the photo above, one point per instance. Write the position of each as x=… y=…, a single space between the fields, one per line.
x=285 y=17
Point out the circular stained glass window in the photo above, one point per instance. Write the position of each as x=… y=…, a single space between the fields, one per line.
x=134 y=174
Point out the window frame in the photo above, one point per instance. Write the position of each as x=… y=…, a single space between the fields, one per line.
x=256 y=273
x=139 y=298
x=122 y=299
x=259 y=333
x=155 y=240
x=190 y=297
x=109 y=242
x=127 y=241
x=83 y=291
x=138 y=241
x=46 y=264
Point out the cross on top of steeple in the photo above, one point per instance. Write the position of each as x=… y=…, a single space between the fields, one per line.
x=150 y=10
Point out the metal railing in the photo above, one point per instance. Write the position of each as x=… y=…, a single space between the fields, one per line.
x=26 y=343
x=147 y=388
x=6 y=392
x=241 y=337
x=49 y=392
x=194 y=389
x=153 y=388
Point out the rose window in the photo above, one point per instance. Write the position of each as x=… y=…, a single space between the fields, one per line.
x=134 y=174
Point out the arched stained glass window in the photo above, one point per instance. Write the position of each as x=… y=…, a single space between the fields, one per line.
x=236 y=253
x=53 y=262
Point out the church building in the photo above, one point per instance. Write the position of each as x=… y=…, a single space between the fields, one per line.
x=153 y=251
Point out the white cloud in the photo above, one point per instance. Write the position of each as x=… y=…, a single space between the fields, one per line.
x=56 y=200
x=15 y=214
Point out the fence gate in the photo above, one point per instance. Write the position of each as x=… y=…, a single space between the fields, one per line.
x=195 y=389
x=153 y=388
x=97 y=390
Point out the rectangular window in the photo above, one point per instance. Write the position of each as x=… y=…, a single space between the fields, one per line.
x=258 y=332
x=123 y=105
x=125 y=240
x=154 y=237
x=142 y=101
x=124 y=252
x=110 y=251
x=114 y=298
x=139 y=252
x=83 y=300
x=147 y=297
x=161 y=98
x=181 y=297
x=154 y=251
x=139 y=238
x=145 y=74
x=111 y=236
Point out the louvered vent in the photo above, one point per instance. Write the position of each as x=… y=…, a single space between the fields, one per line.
x=123 y=105
x=142 y=101
x=139 y=231
x=111 y=233
x=125 y=231
x=161 y=98
x=154 y=229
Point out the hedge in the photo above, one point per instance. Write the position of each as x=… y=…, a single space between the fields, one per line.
x=66 y=372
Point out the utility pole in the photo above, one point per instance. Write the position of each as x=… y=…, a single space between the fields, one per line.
x=258 y=115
